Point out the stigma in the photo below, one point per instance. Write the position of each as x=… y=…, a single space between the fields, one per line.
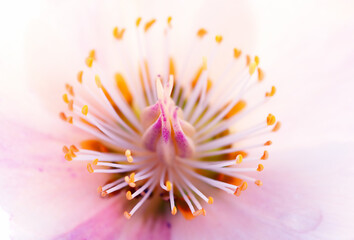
x=159 y=135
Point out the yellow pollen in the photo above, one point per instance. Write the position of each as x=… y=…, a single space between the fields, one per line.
x=168 y=186
x=260 y=74
x=89 y=61
x=169 y=19
x=89 y=168
x=129 y=195
x=149 y=24
x=270 y=119
x=118 y=34
x=79 y=76
x=237 y=53
x=252 y=68
x=272 y=92
x=258 y=183
x=218 y=38
x=201 y=32
x=260 y=168
x=268 y=143
x=65 y=98
x=98 y=81
x=174 y=210
x=265 y=155
x=276 y=127
x=95 y=161
x=239 y=159
x=237 y=193
x=243 y=186
x=132 y=177
x=210 y=200
x=256 y=60
x=138 y=20
x=127 y=215
x=84 y=110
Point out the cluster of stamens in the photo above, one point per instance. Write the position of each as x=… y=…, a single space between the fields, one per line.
x=160 y=134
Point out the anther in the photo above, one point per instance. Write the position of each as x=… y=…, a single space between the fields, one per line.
x=271 y=93
x=168 y=186
x=71 y=105
x=89 y=62
x=95 y=161
x=98 y=81
x=62 y=116
x=118 y=34
x=84 y=110
x=270 y=119
x=89 y=168
x=174 y=210
x=65 y=98
x=127 y=215
x=252 y=68
x=248 y=60
x=128 y=195
x=276 y=127
x=68 y=156
x=65 y=149
x=265 y=155
x=73 y=148
x=210 y=200
x=258 y=183
x=92 y=54
x=268 y=143
x=243 y=186
x=79 y=76
x=260 y=168
x=169 y=19
x=237 y=193
x=149 y=24
x=218 y=38
x=201 y=32
x=237 y=53
x=103 y=193
x=239 y=158
x=128 y=155
x=256 y=60
x=260 y=74
x=99 y=189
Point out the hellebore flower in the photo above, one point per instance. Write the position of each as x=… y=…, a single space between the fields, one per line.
x=167 y=134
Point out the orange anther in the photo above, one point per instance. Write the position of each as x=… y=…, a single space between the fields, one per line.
x=198 y=212
x=99 y=189
x=268 y=143
x=237 y=192
x=270 y=119
x=168 y=186
x=89 y=168
x=239 y=106
x=258 y=183
x=62 y=116
x=98 y=81
x=127 y=215
x=243 y=186
x=203 y=212
x=210 y=200
x=118 y=34
x=248 y=60
x=89 y=62
x=123 y=87
x=276 y=127
x=272 y=92
x=65 y=149
x=149 y=24
x=73 y=148
x=260 y=74
x=84 y=110
x=256 y=59
x=79 y=76
x=201 y=32
x=218 y=38
x=70 y=89
x=65 y=98
x=237 y=53
x=265 y=155
x=92 y=54
x=128 y=195
x=68 y=156
x=94 y=162
x=239 y=158
x=138 y=20
x=174 y=210
x=71 y=105
x=103 y=193
x=70 y=120
x=260 y=168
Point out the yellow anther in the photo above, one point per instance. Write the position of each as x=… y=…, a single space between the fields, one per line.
x=98 y=81
x=272 y=92
x=79 y=76
x=70 y=89
x=203 y=212
x=138 y=20
x=84 y=110
x=68 y=156
x=65 y=98
x=118 y=34
x=103 y=193
x=132 y=184
x=174 y=210
x=276 y=127
x=128 y=153
x=99 y=189
x=205 y=63
x=260 y=168
x=123 y=87
x=210 y=200
x=237 y=53
x=260 y=74
x=252 y=68
x=127 y=215
x=89 y=168
x=65 y=149
x=201 y=32
x=129 y=195
x=127 y=179
x=239 y=158
x=130 y=159
x=89 y=61
x=73 y=148
x=243 y=186
x=268 y=143
x=168 y=185
x=218 y=38
x=149 y=24
x=132 y=177
x=265 y=155
x=270 y=119
x=169 y=19
x=92 y=54
x=95 y=161
x=256 y=60
x=258 y=183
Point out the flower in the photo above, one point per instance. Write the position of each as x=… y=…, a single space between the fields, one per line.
x=43 y=194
